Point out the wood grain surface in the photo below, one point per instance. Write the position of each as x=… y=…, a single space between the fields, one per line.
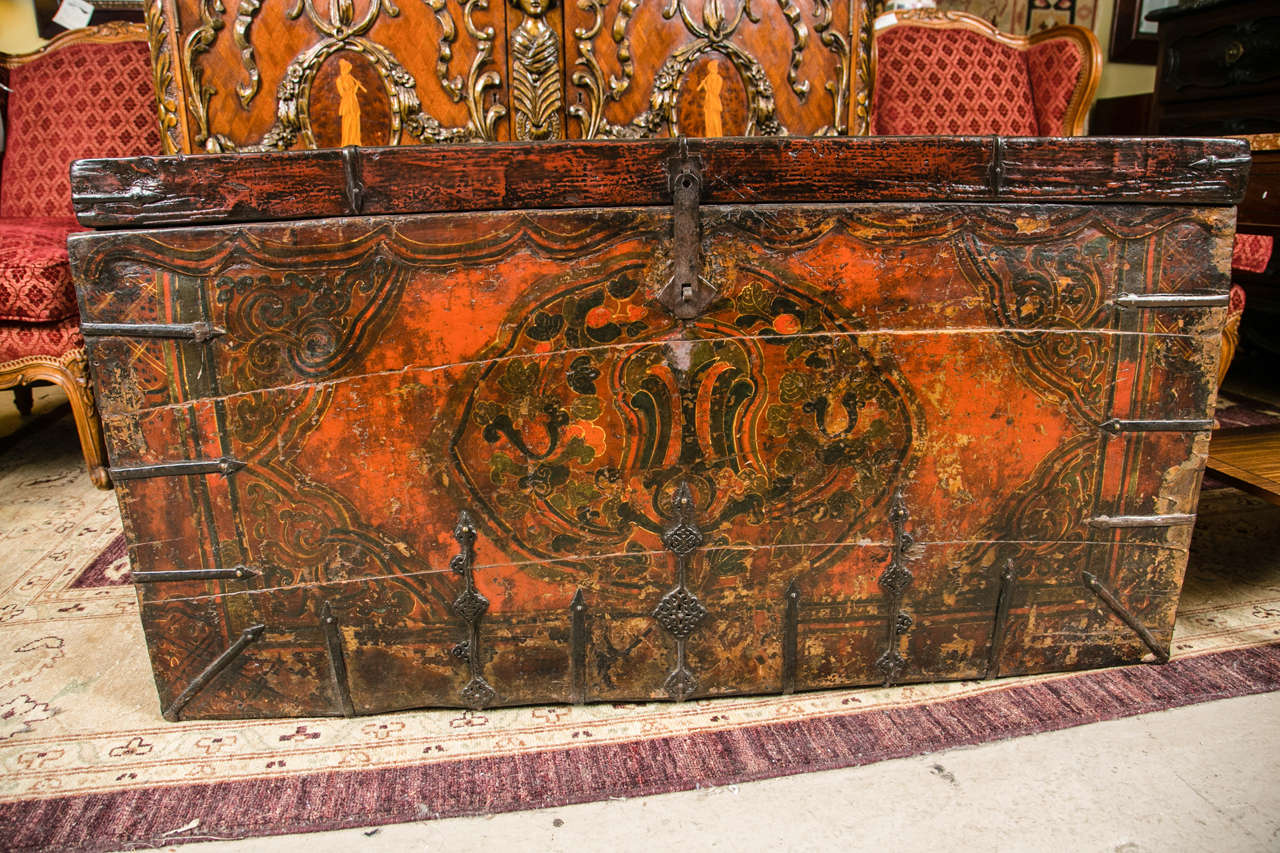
x=471 y=458
x=1249 y=458
x=303 y=185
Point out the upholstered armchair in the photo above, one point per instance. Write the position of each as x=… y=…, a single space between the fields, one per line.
x=88 y=93
x=953 y=73
x=1250 y=254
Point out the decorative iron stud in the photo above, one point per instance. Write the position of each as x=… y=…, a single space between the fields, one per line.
x=680 y=612
x=894 y=581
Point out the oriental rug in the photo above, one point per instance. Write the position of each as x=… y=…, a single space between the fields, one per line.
x=86 y=762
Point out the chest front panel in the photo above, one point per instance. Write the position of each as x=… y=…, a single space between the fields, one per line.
x=471 y=459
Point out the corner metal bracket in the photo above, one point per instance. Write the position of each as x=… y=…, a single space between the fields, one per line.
x=247 y=637
x=687 y=294
x=1109 y=598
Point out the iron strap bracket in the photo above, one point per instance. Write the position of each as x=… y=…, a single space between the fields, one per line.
x=1115 y=426
x=199 y=332
x=224 y=465
x=1173 y=300
x=231 y=573
x=687 y=294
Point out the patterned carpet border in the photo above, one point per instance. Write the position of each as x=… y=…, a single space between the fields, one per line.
x=337 y=800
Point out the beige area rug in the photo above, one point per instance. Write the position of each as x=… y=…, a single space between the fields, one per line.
x=87 y=762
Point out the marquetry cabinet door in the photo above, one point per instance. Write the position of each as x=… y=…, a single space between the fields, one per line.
x=265 y=75
x=715 y=68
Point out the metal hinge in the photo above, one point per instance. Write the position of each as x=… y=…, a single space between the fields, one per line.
x=687 y=294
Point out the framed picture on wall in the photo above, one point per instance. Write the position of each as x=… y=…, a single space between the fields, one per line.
x=1133 y=37
x=103 y=11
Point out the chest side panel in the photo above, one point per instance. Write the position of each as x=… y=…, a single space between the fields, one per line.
x=470 y=459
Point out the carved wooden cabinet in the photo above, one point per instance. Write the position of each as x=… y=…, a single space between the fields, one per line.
x=598 y=421
x=263 y=75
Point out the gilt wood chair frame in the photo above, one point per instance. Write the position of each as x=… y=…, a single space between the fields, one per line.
x=68 y=371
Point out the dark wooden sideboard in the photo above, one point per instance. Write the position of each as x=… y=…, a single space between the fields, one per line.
x=614 y=421
x=1218 y=71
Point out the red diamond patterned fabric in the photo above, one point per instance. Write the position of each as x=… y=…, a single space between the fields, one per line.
x=1054 y=68
x=19 y=340
x=1236 y=303
x=35 y=278
x=83 y=100
x=1251 y=252
x=934 y=81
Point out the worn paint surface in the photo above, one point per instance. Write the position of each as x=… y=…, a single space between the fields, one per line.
x=889 y=414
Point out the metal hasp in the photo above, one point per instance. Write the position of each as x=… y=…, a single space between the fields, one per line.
x=248 y=636
x=1109 y=598
x=687 y=294
x=894 y=581
x=470 y=605
x=679 y=611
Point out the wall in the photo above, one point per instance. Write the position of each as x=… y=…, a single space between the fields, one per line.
x=18 y=26
x=1119 y=79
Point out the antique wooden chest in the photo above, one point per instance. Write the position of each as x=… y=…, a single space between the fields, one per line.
x=508 y=424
